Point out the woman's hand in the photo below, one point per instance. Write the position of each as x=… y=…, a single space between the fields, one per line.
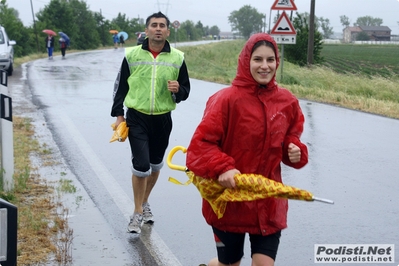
x=294 y=153
x=227 y=178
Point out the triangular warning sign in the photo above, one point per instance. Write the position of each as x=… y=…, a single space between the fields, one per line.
x=283 y=25
x=284 y=5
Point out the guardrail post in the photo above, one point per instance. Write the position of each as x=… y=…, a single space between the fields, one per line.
x=6 y=136
x=8 y=233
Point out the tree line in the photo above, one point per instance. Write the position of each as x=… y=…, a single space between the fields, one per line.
x=86 y=29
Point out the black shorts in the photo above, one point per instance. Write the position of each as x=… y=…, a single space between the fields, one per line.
x=230 y=246
x=148 y=138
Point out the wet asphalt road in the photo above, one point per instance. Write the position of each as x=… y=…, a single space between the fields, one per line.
x=353 y=161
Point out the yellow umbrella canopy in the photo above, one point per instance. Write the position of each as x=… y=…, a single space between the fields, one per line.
x=249 y=187
x=113 y=31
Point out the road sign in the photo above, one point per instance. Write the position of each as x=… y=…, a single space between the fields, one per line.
x=284 y=5
x=284 y=39
x=176 y=24
x=283 y=26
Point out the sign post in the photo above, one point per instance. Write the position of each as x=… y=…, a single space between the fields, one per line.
x=284 y=5
x=283 y=31
x=6 y=136
x=176 y=25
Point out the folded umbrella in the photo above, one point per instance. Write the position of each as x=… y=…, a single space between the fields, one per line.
x=249 y=187
x=120 y=133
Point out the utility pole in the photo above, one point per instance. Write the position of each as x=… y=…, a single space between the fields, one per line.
x=311 y=32
x=165 y=4
x=264 y=24
x=34 y=27
x=102 y=28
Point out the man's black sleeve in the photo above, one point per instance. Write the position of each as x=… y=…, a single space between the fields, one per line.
x=121 y=88
x=184 y=84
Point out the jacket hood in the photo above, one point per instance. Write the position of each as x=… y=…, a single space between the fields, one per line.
x=243 y=77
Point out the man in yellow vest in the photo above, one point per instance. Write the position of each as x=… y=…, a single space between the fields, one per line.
x=152 y=79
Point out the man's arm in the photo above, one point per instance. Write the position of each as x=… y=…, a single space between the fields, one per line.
x=121 y=88
x=184 y=84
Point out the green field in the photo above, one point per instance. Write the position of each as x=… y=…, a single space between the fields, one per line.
x=366 y=77
x=370 y=60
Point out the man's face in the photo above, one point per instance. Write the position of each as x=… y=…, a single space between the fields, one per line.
x=157 y=31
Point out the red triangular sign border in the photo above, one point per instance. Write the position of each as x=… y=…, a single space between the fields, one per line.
x=291 y=7
x=292 y=29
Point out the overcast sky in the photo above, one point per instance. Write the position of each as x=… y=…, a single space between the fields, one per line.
x=216 y=12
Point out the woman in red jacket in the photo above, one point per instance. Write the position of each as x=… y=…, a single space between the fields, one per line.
x=250 y=127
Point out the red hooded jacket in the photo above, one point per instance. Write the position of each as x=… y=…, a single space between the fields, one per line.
x=248 y=127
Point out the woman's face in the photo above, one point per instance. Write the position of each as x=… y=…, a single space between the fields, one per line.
x=263 y=64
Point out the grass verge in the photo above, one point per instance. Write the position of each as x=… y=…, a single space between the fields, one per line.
x=43 y=232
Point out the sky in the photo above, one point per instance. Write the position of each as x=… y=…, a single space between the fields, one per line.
x=216 y=12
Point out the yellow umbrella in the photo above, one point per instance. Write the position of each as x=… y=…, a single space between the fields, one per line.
x=248 y=187
x=120 y=133
x=113 y=31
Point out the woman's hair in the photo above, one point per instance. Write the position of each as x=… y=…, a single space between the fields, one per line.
x=265 y=43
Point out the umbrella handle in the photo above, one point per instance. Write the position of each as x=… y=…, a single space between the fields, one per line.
x=170 y=155
x=323 y=200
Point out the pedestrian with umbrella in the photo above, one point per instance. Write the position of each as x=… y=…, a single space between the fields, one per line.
x=122 y=37
x=249 y=127
x=64 y=43
x=49 y=42
x=115 y=38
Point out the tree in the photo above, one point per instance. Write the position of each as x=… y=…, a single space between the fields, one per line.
x=246 y=20
x=368 y=21
x=73 y=18
x=214 y=30
x=297 y=53
x=325 y=26
x=344 y=21
x=189 y=29
x=362 y=36
x=200 y=28
x=320 y=22
x=102 y=27
x=87 y=37
x=120 y=23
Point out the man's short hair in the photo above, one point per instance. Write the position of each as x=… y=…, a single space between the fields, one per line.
x=157 y=15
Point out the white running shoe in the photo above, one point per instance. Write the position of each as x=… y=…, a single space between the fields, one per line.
x=148 y=218
x=136 y=220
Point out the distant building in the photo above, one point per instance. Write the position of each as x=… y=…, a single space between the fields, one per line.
x=350 y=33
x=376 y=33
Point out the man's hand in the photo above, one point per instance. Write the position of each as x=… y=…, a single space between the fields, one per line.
x=227 y=178
x=173 y=86
x=294 y=153
x=119 y=119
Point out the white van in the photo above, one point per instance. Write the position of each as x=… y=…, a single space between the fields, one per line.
x=6 y=51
